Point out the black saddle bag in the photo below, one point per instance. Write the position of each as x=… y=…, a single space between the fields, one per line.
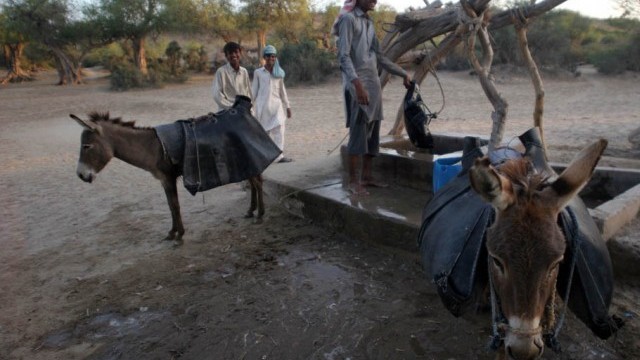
x=217 y=149
x=417 y=118
x=452 y=245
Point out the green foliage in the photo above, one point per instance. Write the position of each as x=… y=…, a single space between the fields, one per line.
x=174 y=57
x=196 y=58
x=383 y=18
x=306 y=63
x=161 y=70
x=108 y=56
x=616 y=48
x=457 y=59
x=551 y=39
x=38 y=56
x=618 y=58
x=125 y=76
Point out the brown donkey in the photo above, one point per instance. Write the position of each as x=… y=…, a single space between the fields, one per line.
x=104 y=138
x=525 y=243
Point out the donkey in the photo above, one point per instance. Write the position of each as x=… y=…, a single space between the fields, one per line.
x=525 y=244
x=104 y=138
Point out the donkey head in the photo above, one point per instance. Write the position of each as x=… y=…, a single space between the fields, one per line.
x=525 y=243
x=95 y=150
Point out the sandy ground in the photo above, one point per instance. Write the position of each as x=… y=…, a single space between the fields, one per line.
x=84 y=273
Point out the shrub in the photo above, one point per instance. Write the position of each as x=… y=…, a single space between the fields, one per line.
x=125 y=76
x=196 y=58
x=456 y=60
x=619 y=57
x=174 y=57
x=108 y=56
x=306 y=63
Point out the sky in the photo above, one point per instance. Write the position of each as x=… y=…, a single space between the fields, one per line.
x=601 y=9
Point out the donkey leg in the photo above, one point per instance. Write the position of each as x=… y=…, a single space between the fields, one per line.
x=177 y=229
x=252 y=207
x=260 y=196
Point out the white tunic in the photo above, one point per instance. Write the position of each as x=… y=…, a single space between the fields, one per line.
x=269 y=99
x=228 y=83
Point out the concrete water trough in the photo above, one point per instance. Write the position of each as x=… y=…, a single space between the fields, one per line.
x=392 y=216
x=612 y=194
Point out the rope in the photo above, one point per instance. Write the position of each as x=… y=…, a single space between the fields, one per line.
x=389 y=27
x=337 y=146
x=551 y=339
x=497 y=317
x=195 y=139
x=435 y=75
x=306 y=189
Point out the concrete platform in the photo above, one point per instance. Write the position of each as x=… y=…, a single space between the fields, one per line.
x=313 y=190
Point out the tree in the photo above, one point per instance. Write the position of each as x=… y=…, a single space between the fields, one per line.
x=215 y=17
x=263 y=15
x=55 y=24
x=13 y=46
x=631 y=8
x=134 y=20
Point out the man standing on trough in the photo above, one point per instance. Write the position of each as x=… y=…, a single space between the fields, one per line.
x=231 y=79
x=359 y=55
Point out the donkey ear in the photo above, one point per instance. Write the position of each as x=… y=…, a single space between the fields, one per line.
x=577 y=174
x=87 y=124
x=493 y=187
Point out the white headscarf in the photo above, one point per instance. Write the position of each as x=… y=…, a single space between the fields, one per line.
x=277 y=70
x=348 y=6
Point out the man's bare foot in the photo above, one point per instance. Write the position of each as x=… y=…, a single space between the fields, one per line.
x=374 y=183
x=357 y=189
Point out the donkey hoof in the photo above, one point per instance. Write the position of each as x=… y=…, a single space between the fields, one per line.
x=258 y=220
x=248 y=215
x=177 y=243
x=171 y=236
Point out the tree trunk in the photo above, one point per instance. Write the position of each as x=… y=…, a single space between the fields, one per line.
x=13 y=55
x=262 y=42
x=69 y=73
x=536 y=79
x=417 y=27
x=500 y=105
x=140 y=55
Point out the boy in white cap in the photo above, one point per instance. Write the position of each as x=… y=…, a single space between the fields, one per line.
x=270 y=98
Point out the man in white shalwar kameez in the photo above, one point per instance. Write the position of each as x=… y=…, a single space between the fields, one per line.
x=231 y=79
x=270 y=102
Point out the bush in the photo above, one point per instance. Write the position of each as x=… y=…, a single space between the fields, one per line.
x=306 y=63
x=618 y=58
x=108 y=56
x=456 y=60
x=196 y=58
x=37 y=56
x=125 y=76
x=174 y=58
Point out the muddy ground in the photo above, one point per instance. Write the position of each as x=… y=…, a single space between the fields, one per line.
x=84 y=273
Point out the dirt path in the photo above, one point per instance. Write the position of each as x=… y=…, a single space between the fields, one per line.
x=83 y=273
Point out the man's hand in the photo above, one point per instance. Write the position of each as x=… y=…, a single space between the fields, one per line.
x=361 y=94
x=288 y=113
x=407 y=82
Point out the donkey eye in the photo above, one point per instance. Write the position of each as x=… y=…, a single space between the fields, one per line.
x=498 y=264
x=554 y=269
x=86 y=146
